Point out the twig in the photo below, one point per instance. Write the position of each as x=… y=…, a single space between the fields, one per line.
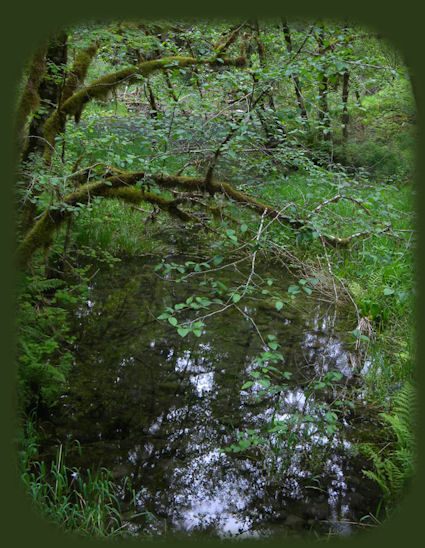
x=329 y=267
x=336 y=199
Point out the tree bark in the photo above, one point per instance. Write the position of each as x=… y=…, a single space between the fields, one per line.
x=345 y=118
x=300 y=98
x=30 y=99
x=49 y=91
x=323 y=89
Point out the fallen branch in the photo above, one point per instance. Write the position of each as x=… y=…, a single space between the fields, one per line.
x=121 y=185
x=335 y=199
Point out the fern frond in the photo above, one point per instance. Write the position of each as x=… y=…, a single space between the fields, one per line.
x=393 y=471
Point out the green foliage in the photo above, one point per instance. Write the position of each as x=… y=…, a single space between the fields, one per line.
x=281 y=436
x=394 y=465
x=45 y=339
x=85 y=502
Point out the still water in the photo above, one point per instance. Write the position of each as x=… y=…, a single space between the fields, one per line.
x=159 y=409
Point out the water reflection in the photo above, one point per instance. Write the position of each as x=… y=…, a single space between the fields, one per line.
x=154 y=407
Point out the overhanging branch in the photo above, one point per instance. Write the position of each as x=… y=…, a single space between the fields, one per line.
x=122 y=185
x=100 y=88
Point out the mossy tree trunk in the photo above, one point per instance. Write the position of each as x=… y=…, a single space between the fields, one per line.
x=30 y=98
x=49 y=91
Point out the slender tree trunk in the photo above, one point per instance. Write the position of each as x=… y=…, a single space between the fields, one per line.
x=345 y=118
x=300 y=98
x=154 y=109
x=272 y=126
x=323 y=90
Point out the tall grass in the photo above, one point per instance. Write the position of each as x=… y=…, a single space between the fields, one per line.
x=83 y=502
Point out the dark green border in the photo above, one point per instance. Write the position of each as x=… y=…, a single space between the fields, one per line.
x=24 y=26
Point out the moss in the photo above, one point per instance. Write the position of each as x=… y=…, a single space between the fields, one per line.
x=30 y=98
x=224 y=42
x=201 y=184
x=79 y=70
x=135 y=196
x=100 y=88
x=39 y=236
x=230 y=61
x=116 y=186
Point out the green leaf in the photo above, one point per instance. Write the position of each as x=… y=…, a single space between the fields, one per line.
x=244 y=444
x=183 y=331
x=273 y=345
x=232 y=234
x=197 y=332
x=247 y=385
x=279 y=305
x=236 y=298
x=244 y=227
x=163 y=316
x=293 y=289
x=198 y=325
x=388 y=291
x=264 y=382
x=173 y=321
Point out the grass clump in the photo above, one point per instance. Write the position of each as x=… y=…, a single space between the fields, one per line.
x=82 y=502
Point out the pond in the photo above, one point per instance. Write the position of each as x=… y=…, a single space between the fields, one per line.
x=204 y=455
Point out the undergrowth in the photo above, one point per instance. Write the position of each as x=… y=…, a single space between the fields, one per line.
x=394 y=465
x=85 y=502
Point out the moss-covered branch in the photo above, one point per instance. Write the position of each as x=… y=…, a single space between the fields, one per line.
x=100 y=88
x=117 y=186
x=78 y=72
x=121 y=185
x=212 y=187
x=223 y=43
